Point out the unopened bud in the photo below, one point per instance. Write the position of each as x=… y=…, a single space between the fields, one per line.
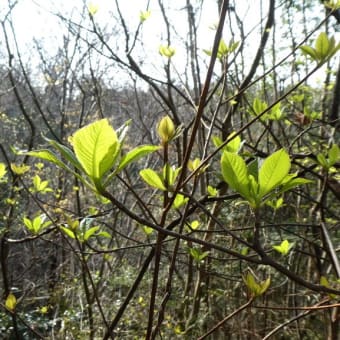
x=166 y=129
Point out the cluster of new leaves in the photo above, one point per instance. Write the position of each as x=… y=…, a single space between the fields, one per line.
x=97 y=155
x=256 y=287
x=329 y=159
x=258 y=185
x=324 y=49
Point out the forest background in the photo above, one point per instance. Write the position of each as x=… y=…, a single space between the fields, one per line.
x=165 y=173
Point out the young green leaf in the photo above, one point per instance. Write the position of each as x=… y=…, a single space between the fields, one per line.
x=2 y=170
x=170 y=173
x=11 y=302
x=235 y=173
x=324 y=282
x=309 y=51
x=256 y=288
x=322 y=160
x=152 y=178
x=167 y=51
x=37 y=224
x=67 y=154
x=49 y=156
x=147 y=230
x=92 y=8
x=96 y=147
x=292 y=183
x=322 y=46
x=273 y=170
x=213 y=192
x=90 y=232
x=284 y=247
x=333 y=155
x=179 y=201
x=275 y=204
x=40 y=186
x=134 y=155
x=19 y=169
x=144 y=15
x=197 y=254
x=194 y=224
x=235 y=144
x=68 y=232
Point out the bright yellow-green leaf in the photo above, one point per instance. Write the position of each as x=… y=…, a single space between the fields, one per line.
x=68 y=232
x=322 y=45
x=134 y=155
x=194 y=224
x=43 y=309
x=166 y=129
x=19 y=169
x=11 y=302
x=148 y=230
x=96 y=147
x=170 y=174
x=90 y=232
x=235 y=173
x=324 y=282
x=333 y=155
x=235 y=144
x=167 y=51
x=93 y=8
x=2 y=170
x=194 y=164
x=284 y=247
x=212 y=191
x=273 y=171
x=256 y=288
x=180 y=200
x=144 y=15
x=152 y=178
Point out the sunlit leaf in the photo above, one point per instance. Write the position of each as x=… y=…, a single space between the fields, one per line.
x=212 y=191
x=235 y=173
x=167 y=51
x=96 y=147
x=284 y=247
x=194 y=224
x=93 y=8
x=294 y=182
x=324 y=282
x=322 y=160
x=135 y=154
x=256 y=288
x=2 y=170
x=235 y=144
x=19 y=169
x=194 y=164
x=152 y=178
x=144 y=15
x=333 y=155
x=68 y=232
x=148 y=230
x=11 y=302
x=179 y=201
x=103 y=234
x=322 y=45
x=273 y=170
x=309 y=51
x=90 y=232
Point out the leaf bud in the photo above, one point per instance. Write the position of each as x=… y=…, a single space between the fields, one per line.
x=166 y=129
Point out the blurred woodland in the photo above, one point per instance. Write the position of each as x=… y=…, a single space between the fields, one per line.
x=191 y=191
